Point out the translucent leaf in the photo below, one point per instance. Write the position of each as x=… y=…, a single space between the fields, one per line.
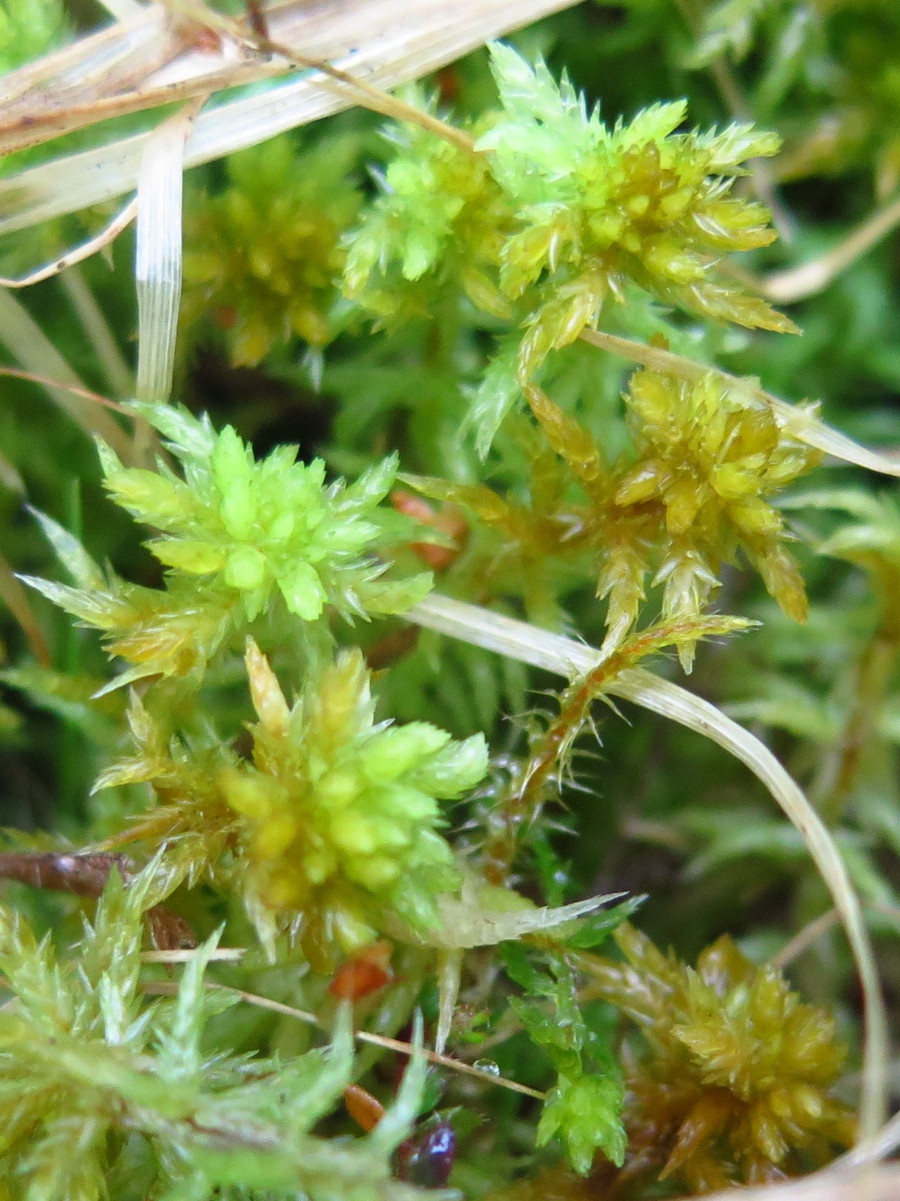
x=476 y=919
x=495 y=396
x=178 y=1048
x=70 y=553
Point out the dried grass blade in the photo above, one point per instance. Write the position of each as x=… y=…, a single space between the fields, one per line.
x=867 y=1183
x=79 y=253
x=158 y=255
x=50 y=90
x=384 y=44
x=816 y=433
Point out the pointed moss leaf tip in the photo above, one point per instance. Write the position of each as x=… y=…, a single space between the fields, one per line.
x=584 y=1108
x=584 y=1112
x=712 y=460
x=482 y=915
x=100 y=1084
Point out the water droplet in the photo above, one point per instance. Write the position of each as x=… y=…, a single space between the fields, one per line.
x=487 y=1066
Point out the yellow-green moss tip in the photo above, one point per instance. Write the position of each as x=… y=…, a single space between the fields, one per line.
x=341 y=813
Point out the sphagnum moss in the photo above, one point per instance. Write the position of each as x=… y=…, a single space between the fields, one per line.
x=734 y=1083
x=341 y=815
x=312 y=822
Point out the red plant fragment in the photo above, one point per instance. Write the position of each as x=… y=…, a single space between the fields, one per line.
x=363 y=973
x=448 y=521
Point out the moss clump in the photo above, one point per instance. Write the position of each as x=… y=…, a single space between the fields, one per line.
x=733 y=1085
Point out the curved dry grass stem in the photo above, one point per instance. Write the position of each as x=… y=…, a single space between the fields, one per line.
x=669 y=700
x=84 y=250
x=871 y=1150
x=553 y=652
x=870 y=1182
x=796 y=283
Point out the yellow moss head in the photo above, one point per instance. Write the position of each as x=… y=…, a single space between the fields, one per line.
x=734 y=1085
x=711 y=459
x=340 y=813
x=262 y=255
